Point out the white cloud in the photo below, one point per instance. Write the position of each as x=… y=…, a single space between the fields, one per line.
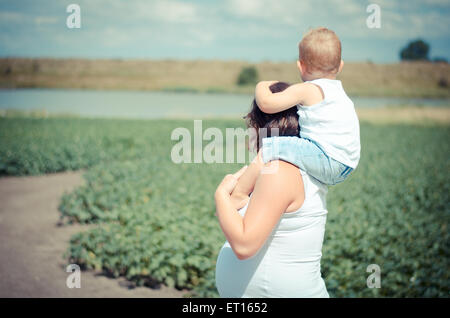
x=397 y=24
x=249 y=8
x=45 y=20
x=170 y=11
x=288 y=12
x=12 y=17
x=167 y=11
x=443 y=3
x=220 y=26
x=114 y=37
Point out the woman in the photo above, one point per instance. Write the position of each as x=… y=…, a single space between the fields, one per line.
x=274 y=242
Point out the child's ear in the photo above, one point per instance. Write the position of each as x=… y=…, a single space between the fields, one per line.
x=299 y=66
x=341 y=66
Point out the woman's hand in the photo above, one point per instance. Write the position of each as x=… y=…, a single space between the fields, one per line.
x=229 y=182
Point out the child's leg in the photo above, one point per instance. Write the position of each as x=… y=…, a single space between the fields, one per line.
x=306 y=155
x=246 y=182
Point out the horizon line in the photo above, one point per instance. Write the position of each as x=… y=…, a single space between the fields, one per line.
x=194 y=59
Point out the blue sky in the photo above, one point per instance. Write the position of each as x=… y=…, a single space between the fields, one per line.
x=252 y=30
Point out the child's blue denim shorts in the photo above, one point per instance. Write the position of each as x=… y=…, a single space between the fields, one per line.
x=306 y=155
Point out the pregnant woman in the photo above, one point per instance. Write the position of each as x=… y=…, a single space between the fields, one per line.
x=274 y=235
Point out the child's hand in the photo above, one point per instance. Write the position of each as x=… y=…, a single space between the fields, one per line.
x=239 y=201
x=230 y=180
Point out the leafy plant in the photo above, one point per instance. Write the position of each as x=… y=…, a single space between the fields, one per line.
x=248 y=76
x=156 y=220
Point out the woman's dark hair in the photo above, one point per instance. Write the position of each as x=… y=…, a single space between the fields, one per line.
x=286 y=121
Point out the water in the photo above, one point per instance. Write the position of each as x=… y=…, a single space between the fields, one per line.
x=145 y=105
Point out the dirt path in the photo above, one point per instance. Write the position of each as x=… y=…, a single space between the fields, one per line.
x=32 y=244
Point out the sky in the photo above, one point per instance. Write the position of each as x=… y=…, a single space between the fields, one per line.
x=250 y=30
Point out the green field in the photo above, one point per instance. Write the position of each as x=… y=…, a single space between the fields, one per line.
x=155 y=219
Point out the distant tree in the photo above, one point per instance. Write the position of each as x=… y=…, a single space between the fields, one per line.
x=248 y=75
x=35 y=66
x=415 y=50
x=443 y=82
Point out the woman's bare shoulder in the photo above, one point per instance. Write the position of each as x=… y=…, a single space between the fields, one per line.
x=283 y=175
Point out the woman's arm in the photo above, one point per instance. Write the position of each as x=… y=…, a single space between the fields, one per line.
x=272 y=195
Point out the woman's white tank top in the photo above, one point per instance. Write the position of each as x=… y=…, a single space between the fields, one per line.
x=288 y=264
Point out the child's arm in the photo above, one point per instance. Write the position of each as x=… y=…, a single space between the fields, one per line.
x=270 y=103
x=246 y=183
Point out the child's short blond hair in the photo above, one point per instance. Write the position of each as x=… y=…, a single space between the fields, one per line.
x=320 y=50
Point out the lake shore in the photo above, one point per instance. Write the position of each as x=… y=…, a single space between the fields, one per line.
x=417 y=115
x=405 y=115
x=406 y=79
